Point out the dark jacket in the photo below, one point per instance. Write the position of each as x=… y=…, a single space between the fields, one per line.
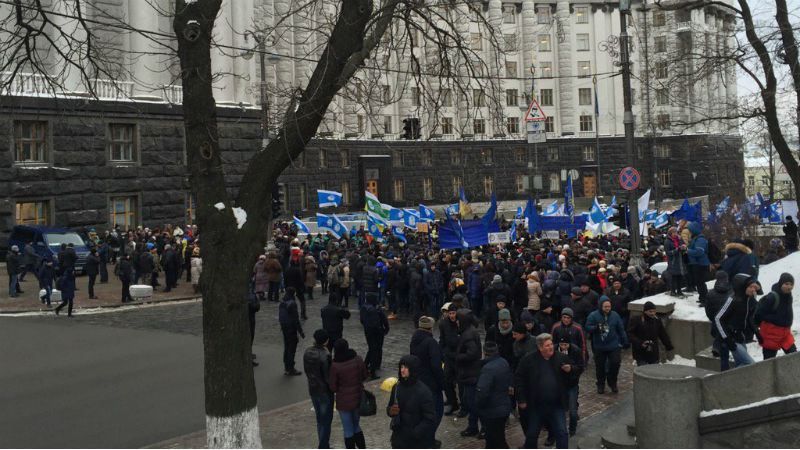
x=541 y=383
x=738 y=260
x=565 y=283
x=347 y=376
x=448 y=338
x=370 y=278
x=775 y=308
x=333 y=317
x=67 y=259
x=288 y=316
x=433 y=282
x=491 y=393
x=92 y=266
x=170 y=260
x=734 y=322
x=642 y=330
x=505 y=342
x=717 y=297
x=468 y=351
x=608 y=332
x=46 y=275
x=577 y=361
x=427 y=350
x=146 y=263
x=574 y=332
x=674 y=256
x=698 y=246
x=13 y=263
x=415 y=425
x=584 y=306
x=373 y=318
x=124 y=270
x=522 y=348
x=619 y=300
x=317 y=366
x=296 y=278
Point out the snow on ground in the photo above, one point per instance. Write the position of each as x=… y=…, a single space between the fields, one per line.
x=681 y=361
x=766 y=401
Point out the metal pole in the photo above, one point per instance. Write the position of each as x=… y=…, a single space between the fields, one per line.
x=633 y=208
x=597 y=136
x=263 y=88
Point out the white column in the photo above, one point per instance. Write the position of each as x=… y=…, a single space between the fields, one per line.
x=528 y=36
x=495 y=96
x=566 y=64
x=284 y=69
x=146 y=68
x=244 y=79
x=464 y=125
x=221 y=57
x=69 y=34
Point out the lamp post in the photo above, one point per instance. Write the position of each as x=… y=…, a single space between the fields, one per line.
x=262 y=56
x=633 y=207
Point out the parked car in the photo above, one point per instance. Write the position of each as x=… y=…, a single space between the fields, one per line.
x=47 y=242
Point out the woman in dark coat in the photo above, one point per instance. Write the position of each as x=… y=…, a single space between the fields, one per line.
x=411 y=408
x=347 y=376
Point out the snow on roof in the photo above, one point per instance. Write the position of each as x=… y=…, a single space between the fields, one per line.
x=766 y=401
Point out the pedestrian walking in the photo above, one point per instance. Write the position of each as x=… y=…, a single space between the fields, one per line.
x=376 y=327
x=103 y=253
x=30 y=261
x=261 y=277
x=790 y=235
x=124 y=271
x=171 y=263
x=714 y=301
x=317 y=366
x=66 y=284
x=13 y=267
x=644 y=333
x=492 y=395
x=333 y=317
x=348 y=373
x=448 y=342
x=577 y=363
x=295 y=278
x=774 y=317
x=735 y=321
x=92 y=268
x=310 y=269
x=291 y=327
x=46 y=277
x=468 y=366
x=253 y=306
x=608 y=337
x=196 y=269
x=411 y=408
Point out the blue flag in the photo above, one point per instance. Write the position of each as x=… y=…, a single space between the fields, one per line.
x=329 y=198
x=491 y=212
x=519 y=213
x=551 y=210
x=596 y=215
x=426 y=213
x=661 y=220
x=776 y=212
x=374 y=228
x=722 y=208
x=411 y=218
x=332 y=224
x=569 y=200
x=301 y=227
x=396 y=214
x=399 y=232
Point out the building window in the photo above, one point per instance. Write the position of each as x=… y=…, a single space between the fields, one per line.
x=427 y=188
x=552 y=153
x=584 y=96
x=345 y=192
x=511 y=69
x=456 y=157
x=664 y=177
x=584 y=69
x=589 y=153
x=520 y=156
x=303 y=192
x=476 y=41
x=512 y=97
x=659 y=18
x=660 y=44
x=543 y=15
x=512 y=125
x=32 y=213
x=360 y=123
x=447 y=125
x=479 y=98
x=662 y=151
x=415 y=97
x=683 y=15
x=387 y=124
x=662 y=97
x=582 y=41
x=121 y=142
x=488 y=186
x=510 y=42
x=544 y=42
x=344 y=154
x=479 y=126
x=399 y=189
x=555 y=183
x=508 y=14
x=386 y=95
x=487 y=155
x=661 y=70
x=581 y=14
x=447 y=97
x=426 y=157
x=663 y=121
x=751 y=180
x=123 y=212
x=586 y=123
x=545 y=97
x=546 y=69
x=323 y=158
x=457 y=183
x=519 y=183
x=398 y=158
x=549 y=125
x=30 y=141
x=765 y=180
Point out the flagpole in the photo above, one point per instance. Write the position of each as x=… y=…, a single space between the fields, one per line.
x=597 y=136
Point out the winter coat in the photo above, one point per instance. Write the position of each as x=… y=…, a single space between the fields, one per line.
x=491 y=392
x=46 y=275
x=775 y=308
x=738 y=260
x=347 y=376
x=433 y=283
x=584 y=306
x=619 y=300
x=534 y=295
x=92 y=265
x=333 y=317
x=295 y=278
x=415 y=425
x=370 y=278
x=698 y=246
x=574 y=332
x=528 y=381
x=317 y=366
x=260 y=276
x=734 y=321
x=505 y=342
x=197 y=269
x=448 y=338
x=675 y=263
x=495 y=290
x=373 y=319
x=310 y=268
x=716 y=298
x=468 y=350
x=31 y=258
x=427 y=350
x=13 y=263
x=170 y=260
x=474 y=282
x=576 y=359
x=643 y=329
x=288 y=317
x=147 y=263
x=608 y=332
x=522 y=348
x=565 y=283
x=273 y=269
x=67 y=285
x=124 y=270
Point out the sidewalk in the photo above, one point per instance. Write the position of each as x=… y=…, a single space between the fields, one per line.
x=109 y=294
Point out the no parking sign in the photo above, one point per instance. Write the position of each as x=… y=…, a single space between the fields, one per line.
x=629 y=179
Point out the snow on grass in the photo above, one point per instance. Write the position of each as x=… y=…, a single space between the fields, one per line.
x=766 y=401
x=241 y=217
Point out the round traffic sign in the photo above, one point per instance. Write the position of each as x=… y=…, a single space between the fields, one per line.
x=629 y=178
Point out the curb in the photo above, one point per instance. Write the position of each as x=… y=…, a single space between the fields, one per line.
x=115 y=305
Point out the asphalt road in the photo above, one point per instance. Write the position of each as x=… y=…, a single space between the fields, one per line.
x=80 y=383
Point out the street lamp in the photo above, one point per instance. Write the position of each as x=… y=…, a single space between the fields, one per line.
x=260 y=47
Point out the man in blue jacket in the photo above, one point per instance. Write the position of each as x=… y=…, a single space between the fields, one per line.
x=698 y=260
x=608 y=337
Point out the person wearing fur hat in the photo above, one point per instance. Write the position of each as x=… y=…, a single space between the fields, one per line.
x=317 y=366
x=774 y=317
x=644 y=333
x=738 y=260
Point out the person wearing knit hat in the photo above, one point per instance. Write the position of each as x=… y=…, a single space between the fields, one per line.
x=316 y=364
x=494 y=382
x=500 y=333
x=426 y=323
x=774 y=318
x=430 y=372
x=645 y=332
x=608 y=337
x=573 y=330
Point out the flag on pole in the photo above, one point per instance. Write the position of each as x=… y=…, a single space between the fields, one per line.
x=569 y=200
x=519 y=213
x=374 y=207
x=596 y=215
x=399 y=232
x=551 y=209
x=463 y=205
x=612 y=210
x=776 y=212
x=332 y=224
x=411 y=218
x=301 y=227
x=329 y=198
x=650 y=216
x=722 y=208
x=451 y=210
x=661 y=220
x=426 y=213
x=643 y=202
x=396 y=214
x=491 y=212
x=373 y=228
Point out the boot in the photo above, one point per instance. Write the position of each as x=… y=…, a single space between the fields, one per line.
x=349 y=442
x=359 y=440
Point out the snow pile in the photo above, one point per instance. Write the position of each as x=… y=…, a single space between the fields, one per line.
x=220 y=206
x=766 y=401
x=241 y=217
x=681 y=361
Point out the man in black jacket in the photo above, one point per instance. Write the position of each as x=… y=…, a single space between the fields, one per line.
x=774 y=317
x=425 y=347
x=790 y=233
x=290 y=327
x=644 y=333
x=500 y=333
x=333 y=317
x=317 y=365
x=13 y=266
x=448 y=341
x=573 y=377
x=411 y=408
x=734 y=321
x=171 y=263
x=468 y=366
x=540 y=383
x=714 y=300
x=491 y=396
x=376 y=327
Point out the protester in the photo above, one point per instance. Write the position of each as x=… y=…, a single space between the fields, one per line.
x=644 y=333
x=430 y=373
x=698 y=260
x=568 y=328
x=790 y=235
x=500 y=333
x=66 y=284
x=333 y=317
x=347 y=377
x=675 y=249
x=196 y=269
x=774 y=316
x=92 y=269
x=411 y=408
x=290 y=328
x=492 y=395
x=608 y=337
x=448 y=341
x=734 y=321
x=577 y=363
x=376 y=327
x=468 y=366
x=13 y=267
x=317 y=366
